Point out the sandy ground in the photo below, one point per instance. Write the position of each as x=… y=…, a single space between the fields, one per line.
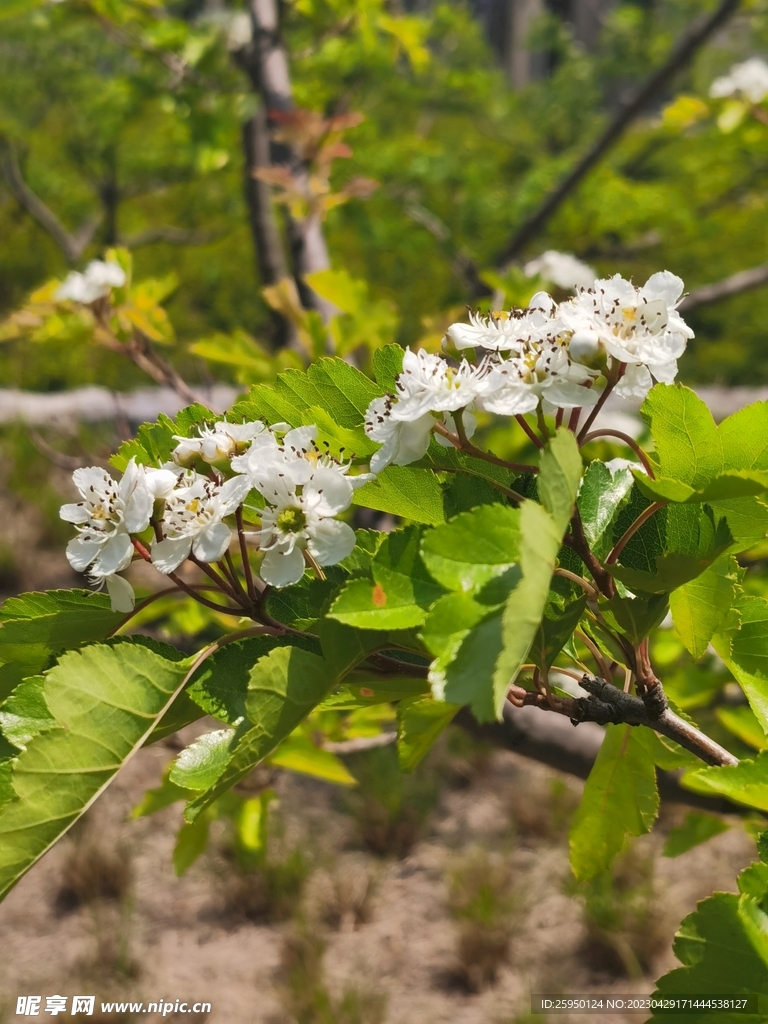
x=172 y=938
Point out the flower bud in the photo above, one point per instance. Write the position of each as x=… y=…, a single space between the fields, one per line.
x=584 y=347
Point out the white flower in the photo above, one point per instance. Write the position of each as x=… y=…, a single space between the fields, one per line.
x=193 y=520
x=748 y=79
x=108 y=514
x=300 y=517
x=562 y=269
x=403 y=441
x=97 y=281
x=639 y=327
x=429 y=383
x=221 y=441
x=544 y=373
x=509 y=332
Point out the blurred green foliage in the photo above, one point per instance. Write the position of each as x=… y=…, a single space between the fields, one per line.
x=126 y=117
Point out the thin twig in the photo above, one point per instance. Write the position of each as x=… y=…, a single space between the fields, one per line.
x=598 y=406
x=461 y=441
x=530 y=431
x=244 y=554
x=630 y=442
x=632 y=529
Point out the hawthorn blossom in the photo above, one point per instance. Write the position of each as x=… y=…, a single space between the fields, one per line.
x=214 y=444
x=748 y=80
x=509 y=332
x=193 y=520
x=638 y=327
x=300 y=517
x=546 y=374
x=402 y=441
x=110 y=511
x=562 y=269
x=95 y=283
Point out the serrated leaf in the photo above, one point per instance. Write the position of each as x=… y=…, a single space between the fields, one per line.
x=699 y=606
x=601 y=495
x=200 y=764
x=635 y=617
x=36 y=627
x=469 y=550
x=620 y=799
x=696 y=829
x=734 y=483
x=420 y=721
x=743 y=723
x=688 y=444
x=401 y=591
x=560 y=469
x=105 y=700
x=387 y=364
x=747 y=654
x=693 y=540
x=154 y=442
x=300 y=754
x=744 y=783
x=283 y=687
x=405 y=491
x=560 y=619
x=718 y=958
x=25 y=714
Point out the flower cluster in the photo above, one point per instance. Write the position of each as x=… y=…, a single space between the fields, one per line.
x=550 y=356
x=748 y=80
x=97 y=281
x=185 y=509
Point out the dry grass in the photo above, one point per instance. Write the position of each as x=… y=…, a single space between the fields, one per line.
x=92 y=872
x=342 y=899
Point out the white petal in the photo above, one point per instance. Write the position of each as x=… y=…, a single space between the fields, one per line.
x=664 y=285
x=80 y=553
x=160 y=482
x=168 y=555
x=138 y=509
x=74 y=513
x=412 y=441
x=636 y=382
x=300 y=438
x=280 y=570
x=121 y=594
x=330 y=541
x=211 y=544
x=384 y=456
x=233 y=493
x=327 y=492
x=93 y=477
x=511 y=401
x=115 y=555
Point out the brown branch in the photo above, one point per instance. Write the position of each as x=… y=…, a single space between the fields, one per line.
x=170 y=236
x=360 y=743
x=552 y=740
x=743 y=281
x=681 y=54
x=72 y=244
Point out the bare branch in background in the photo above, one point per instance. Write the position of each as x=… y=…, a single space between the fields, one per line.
x=72 y=244
x=684 y=50
x=170 y=236
x=743 y=281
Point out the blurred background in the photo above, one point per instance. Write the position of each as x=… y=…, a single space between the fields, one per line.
x=284 y=180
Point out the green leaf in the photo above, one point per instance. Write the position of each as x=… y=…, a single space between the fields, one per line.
x=300 y=754
x=401 y=591
x=744 y=783
x=693 y=540
x=561 y=617
x=191 y=843
x=283 y=687
x=420 y=720
x=560 y=469
x=715 y=946
x=387 y=364
x=105 y=700
x=474 y=547
x=746 y=653
x=405 y=491
x=744 y=437
x=747 y=520
x=200 y=764
x=635 y=617
x=620 y=798
x=601 y=496
x=699 y=606
x=36 y=627
x=25 y=714
x=734 y=483
x=368 y=692
x=524 y=609
x=252 y=822
x=696 y=829
x=158 y=799
x=345 y=647
x=744 y=723
x=154 y=442
x=220 y=685
x=688 y=444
